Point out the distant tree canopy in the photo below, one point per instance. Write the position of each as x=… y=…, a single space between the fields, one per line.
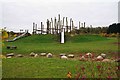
x=4 y=34
x=114 y=28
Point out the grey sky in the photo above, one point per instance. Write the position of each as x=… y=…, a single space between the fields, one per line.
x=19 y=14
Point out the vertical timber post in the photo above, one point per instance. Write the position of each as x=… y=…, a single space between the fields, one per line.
x=66 y=25
x=79 y=25
x=55 y=25
x=36 y=29
x=47 y=26
x=62 y=36
x=52 y=30
x=84 y=24
x=33 y=28
x=41 y=27
x=70 y=25
x=59 y=27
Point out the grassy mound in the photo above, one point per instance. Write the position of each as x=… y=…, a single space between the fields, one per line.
x=38 y=39
x=50 y=43
x=54 y=38
x=86 y=38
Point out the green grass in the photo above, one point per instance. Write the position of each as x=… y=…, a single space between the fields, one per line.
x=76 y=44
x=53 y=68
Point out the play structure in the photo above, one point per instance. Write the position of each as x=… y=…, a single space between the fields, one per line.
x=55 y=26
x=18 y=37
x=59 y=26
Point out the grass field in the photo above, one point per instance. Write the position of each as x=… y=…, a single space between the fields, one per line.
x=42 y=67
x=76 y=44
x=54 y=68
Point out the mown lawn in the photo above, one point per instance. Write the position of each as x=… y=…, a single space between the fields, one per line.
x=76 y=44
x=55 y=68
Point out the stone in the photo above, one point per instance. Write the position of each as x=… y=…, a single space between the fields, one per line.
x=106 y=60
x=82 y=58
x=10 y=54
x=89 y=55
x=43 y=54
x=35 y=55
x=9 y=57
x=103 y=55
x=19 y=55
x=117 y=60
x=99 y=58
x=64 y=57
x=62 y=54
x=32 y=54
x=13 y=47
x=70 y=56
x=49 y=55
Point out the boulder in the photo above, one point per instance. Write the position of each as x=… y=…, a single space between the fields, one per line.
x=49 y=55
x=32 y=54
x=70 y=56
x=106 y=60
x=103 y=55
x=43 y=54
x=89 y=55
x=62 y=54
x=10 y=54
x=19 y=55
x=82 y=58
x=9 y=57
x=35 y=55
x=64 y=57
x=99 y=58
x=117 y=60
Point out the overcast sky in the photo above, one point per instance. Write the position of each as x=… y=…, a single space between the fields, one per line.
x=20 y=14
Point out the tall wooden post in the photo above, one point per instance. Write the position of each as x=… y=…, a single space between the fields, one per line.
x=52 y=30
x=36 y=29
x=70 y=25
x=66 y=25
x=50 y=27
x=84 y=24
x=55 y=25
x=41 y=27
x=59 y=27
x=33 y=28
x=47 y=26
x=79 y=25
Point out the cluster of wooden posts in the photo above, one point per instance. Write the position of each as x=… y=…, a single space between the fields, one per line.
x=56 y=26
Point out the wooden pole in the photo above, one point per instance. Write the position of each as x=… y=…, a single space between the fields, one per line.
x=55 y=25
x=79 y=25
x=50 y=27
x=47 y=26
x=70 y=25
x=84 y=24
x=59 y=27
x=66 y=25
x=52 y=30
x=36 y=29
x=41 y=27
x=33 y=28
